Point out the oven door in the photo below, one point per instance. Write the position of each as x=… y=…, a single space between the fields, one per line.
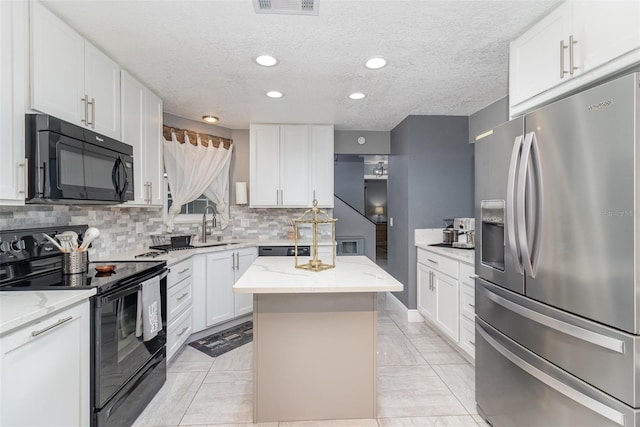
x=82 y=171
x=119 y=354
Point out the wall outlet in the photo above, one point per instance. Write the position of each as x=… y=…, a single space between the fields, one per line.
x=245 y=223
x=139 y=227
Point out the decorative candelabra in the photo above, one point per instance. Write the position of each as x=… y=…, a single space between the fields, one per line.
x=311 y=216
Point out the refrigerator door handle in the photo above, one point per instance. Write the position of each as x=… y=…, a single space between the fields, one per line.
x=510 y=214
x=562 y=388
x=537 y=237
x=577 y=332
x=521 y=205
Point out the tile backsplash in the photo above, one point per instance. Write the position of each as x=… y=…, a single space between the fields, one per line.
x=117 y=225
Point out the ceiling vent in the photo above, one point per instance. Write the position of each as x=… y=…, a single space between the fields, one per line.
x=287 y=7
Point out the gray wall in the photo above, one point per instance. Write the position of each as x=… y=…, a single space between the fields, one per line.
x=195 y=125
x=489 y=117
x=377 y=142
x=430 y=178
x=348 y=172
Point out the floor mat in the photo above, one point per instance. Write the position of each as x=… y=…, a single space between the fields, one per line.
x=219 y=343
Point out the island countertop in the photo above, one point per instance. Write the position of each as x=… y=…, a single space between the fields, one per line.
x=351 y=274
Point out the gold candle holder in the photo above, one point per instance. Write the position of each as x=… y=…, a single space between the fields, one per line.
x=311 y=217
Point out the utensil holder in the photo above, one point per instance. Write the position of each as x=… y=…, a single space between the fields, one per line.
x=75 y=262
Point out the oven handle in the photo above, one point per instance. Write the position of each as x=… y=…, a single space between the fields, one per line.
x=131 y=289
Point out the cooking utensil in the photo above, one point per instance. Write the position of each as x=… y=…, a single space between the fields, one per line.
x=73 y=240
x=53 y=241
x=65 y=241
x=107 y=268
x=90 y=235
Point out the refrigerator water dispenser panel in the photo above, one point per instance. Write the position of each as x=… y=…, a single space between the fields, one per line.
x=493 y=244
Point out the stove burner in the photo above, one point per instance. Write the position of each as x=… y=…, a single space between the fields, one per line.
x=150 y=254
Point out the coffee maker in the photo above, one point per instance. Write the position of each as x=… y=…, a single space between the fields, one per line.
x=466 y=228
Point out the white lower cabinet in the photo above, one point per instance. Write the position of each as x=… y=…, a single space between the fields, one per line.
x=44 y=371
x=445 y=288
x=214 y=277
x=179 y=305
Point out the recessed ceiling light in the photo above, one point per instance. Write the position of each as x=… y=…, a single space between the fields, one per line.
x=357 y=95
x=266 y=60
x=375 y=63
x=274 y=94
x=210 y=119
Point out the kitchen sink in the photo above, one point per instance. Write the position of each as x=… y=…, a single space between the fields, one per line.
x=208 y=245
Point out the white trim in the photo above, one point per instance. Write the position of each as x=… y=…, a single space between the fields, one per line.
x=394 y=304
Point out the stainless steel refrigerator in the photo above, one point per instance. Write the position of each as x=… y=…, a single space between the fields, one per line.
x=558 y=263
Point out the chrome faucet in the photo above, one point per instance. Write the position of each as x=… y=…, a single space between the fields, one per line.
x=204 y=221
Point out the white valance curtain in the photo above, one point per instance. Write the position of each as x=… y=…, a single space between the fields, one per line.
x=194 y=170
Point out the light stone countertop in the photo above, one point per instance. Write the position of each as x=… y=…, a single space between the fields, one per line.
x=464 y=255
x=351 y=274
x=19 y=308
x=175 y=257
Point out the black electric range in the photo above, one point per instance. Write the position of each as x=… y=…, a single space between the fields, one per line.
x=30 y=262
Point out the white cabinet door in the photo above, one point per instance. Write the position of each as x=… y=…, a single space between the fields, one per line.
x=264 y=150
x=57 y=55
x=13 y=100
x=604 y=31
x=154 y=168
x=243 y=302
x=219 y=287
x=535 y=56
x=102 y=85
x=294 y=166
x=322 y=150
x=426 y=292
x=447 y=315
x=44 y=379
x=133 y=132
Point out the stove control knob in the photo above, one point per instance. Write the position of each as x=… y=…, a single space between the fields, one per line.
x=17 y=245
x=5 y=247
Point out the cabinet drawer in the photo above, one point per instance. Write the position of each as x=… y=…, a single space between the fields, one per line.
x=179 y=298
x=467 y=274
x=177 y=333
x=467 y=336
x=179 y=271
x=467 y=301
x=443 y=264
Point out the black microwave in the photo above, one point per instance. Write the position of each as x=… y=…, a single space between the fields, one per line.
x=73 y=165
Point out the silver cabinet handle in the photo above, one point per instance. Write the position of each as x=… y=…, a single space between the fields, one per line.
x=562 y=70
x=50 y=327
x=237 y=260
x=430 y=260
x=582 y=399
x=472 y=306
x=86 y=110
x=25 y=183
x=282 y=197
x=182 y=296
x=150 y=192
x=511 y=221
x=277 y=197
x=472 y=343
x=181 y=333
x=183 y=271
x=93 y=113
x=473 y=277
x=609 y=343
x=572 y=68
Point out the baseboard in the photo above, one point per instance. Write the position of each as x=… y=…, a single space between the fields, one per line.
x=412 y=315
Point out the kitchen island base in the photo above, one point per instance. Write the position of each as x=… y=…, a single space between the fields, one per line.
x=314 y=356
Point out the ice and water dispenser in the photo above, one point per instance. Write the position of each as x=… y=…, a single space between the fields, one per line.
x=492 y=213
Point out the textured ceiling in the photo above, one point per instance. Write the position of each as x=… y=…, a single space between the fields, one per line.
x=445 y=57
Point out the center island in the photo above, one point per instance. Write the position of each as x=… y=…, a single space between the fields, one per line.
x=314 y=338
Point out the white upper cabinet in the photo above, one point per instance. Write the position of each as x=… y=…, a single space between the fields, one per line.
x=577 y=44
x=142 y=128
x=264 y=159
x=290 y=164
x=294 y=165
x=70 y=78
x=535 y=57
x=13 y=100
x=322 y=150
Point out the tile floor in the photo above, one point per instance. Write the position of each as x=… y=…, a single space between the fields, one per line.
x=422 y=382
